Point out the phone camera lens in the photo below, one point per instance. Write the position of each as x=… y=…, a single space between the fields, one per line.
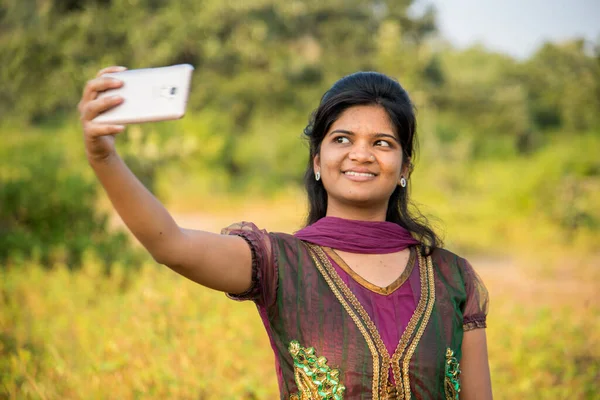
x=173 y=91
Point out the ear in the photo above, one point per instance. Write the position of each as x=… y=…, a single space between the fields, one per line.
x=317 y=163
x=406 y=170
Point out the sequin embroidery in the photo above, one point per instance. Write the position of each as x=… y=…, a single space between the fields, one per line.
x=451 y=382
x=314 y=378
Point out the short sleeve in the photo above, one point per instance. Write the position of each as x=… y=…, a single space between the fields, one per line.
x=264 y=274
x=476 y=306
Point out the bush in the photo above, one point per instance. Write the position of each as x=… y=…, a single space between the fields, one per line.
x=48 y=212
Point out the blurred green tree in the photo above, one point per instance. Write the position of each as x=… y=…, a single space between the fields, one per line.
x=563 y=84
x=49 y=212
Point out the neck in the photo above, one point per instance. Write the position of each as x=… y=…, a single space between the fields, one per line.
x=356 y=213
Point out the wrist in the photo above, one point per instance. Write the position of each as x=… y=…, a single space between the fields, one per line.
x=101 y=159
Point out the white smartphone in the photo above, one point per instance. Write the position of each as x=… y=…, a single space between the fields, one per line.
x=150 y=94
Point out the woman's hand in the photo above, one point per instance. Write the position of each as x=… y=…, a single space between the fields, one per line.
x=99 y=138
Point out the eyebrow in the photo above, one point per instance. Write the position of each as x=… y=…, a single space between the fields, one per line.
x=376 y=135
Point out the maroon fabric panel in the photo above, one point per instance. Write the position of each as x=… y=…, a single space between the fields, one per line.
x=309 y=312
x=390 y=313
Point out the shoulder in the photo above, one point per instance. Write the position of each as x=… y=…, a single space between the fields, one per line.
x=458 y=271
x=276 y=241
x=445 y=257
x=450 y=264
x=249 y=228
x=456 y=275
x=288 y=246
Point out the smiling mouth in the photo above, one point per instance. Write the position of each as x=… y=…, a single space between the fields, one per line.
x=365 y=174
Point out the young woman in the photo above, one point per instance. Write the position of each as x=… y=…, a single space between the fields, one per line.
x=362 y=303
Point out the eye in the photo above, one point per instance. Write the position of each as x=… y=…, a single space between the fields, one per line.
x=341 y=139
x=383 y=143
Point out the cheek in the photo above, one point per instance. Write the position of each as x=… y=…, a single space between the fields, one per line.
x=331 y=164
x=392 y=166
x=330 y=160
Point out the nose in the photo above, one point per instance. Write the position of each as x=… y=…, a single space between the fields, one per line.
x=361 y=153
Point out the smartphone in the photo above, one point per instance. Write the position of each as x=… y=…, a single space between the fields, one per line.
x=150 y=94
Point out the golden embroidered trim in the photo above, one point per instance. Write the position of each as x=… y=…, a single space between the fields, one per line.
x=415 y=341
x=427 y=296
x=452 y=376
x=392 y=393
x=422 y=314
x=389 y=289
x=380 y=377
x=314 y=378
x=318 y=256
x=424 y=299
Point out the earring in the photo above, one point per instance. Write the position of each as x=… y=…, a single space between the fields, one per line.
x=318 y=176
x=403 y=182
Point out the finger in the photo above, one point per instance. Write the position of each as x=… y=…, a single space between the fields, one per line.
x=111 y=69
x=95 y=130
x=91 y=89
x=95 y=107
x=90 y=92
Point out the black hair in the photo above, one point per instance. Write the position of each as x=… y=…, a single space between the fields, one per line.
x=367 y=88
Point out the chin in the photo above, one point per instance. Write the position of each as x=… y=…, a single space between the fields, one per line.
x=362 y=200
x=361 y=196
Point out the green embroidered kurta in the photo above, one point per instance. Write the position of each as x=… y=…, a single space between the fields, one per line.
x=327 y=347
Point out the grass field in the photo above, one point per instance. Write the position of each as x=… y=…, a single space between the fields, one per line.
x=154 y=335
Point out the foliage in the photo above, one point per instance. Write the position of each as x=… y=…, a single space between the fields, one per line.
x=564 y=87
x=516 y=204
x=261 y=66
x=49 y=212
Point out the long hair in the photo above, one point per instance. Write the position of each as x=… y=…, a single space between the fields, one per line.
x=368 y=88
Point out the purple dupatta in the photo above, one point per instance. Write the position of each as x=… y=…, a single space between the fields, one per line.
x=352 y=236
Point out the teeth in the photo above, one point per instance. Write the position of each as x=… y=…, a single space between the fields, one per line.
x=358 y=173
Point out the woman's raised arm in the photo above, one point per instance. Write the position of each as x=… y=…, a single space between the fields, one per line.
x=216 y=261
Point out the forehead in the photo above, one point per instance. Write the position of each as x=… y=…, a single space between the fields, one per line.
x=364 y=119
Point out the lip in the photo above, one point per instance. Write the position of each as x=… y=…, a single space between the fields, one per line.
x=359 y=170
x=359 y=178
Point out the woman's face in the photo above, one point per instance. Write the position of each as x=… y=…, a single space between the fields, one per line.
x=360 y=159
